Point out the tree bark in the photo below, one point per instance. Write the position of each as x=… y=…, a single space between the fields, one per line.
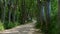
x=9 y=10
x=39 y=15
x=47 y=10
x=58 y=17
x=23 y=12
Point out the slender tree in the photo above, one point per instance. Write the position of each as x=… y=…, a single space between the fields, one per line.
x=47 y=10
x=0 y=9
x=4 y=7
x=23 y=12
x=3 y=10
x=58 y=24
x=14 y=7
x=39 y=15
x=9 y=10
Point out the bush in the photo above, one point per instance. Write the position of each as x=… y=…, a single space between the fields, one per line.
x=1 y=26
x=8 y=25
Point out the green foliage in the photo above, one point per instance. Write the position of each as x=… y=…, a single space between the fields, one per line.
x=31 y=10
x=37 y=25
x=11 y=25
x=8 y=25
x=1 y=26
x=53 y=14
x=54 y=10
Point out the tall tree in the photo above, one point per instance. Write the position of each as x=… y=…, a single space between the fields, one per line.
x=1 y=9
x=14 y=7
x=47 y=10
x=58 y=24
x=9 y=10
x=23 y=12
x=39 y=15
x=5 y=4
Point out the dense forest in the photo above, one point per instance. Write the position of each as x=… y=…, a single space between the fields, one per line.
x=18 y=12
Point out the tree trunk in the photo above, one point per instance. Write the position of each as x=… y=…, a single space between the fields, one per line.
x=58 y=24
x=23 y=12
x=14 y=5
x=47 y=10
x=9 y=10
x=4 y=10
x=39 y=15
x=1 y=5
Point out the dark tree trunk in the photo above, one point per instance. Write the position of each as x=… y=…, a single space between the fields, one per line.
x=58 y=24
x=9 y=10
x=14 y=6
x=39 y=15
x=47 y=10
x=4 y=10
x=23 y=12
x=1 y=6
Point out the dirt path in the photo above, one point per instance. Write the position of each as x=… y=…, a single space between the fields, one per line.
x=22 y=29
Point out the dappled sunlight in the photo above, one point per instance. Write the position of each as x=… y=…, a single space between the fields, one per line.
x=29 y=16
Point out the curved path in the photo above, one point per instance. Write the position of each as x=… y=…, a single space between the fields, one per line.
x=22 y=29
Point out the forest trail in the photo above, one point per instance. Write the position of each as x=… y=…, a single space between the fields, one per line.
x=22 y=29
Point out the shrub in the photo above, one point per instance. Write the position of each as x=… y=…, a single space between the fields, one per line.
x=1 y=26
